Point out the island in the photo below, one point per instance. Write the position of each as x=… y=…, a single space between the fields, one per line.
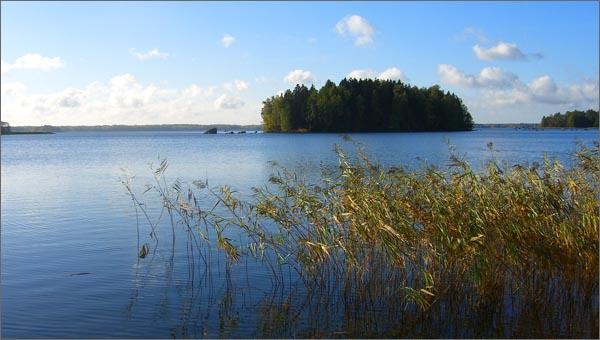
x=365 y=105
x=571 y=119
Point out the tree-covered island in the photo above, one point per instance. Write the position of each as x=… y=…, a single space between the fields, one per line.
x=365 y=105
x=571 y=119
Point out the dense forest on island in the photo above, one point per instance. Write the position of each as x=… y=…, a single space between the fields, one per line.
x=365 y=105
x=571 y=119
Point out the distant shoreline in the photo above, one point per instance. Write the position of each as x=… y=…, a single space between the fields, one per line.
x=149 y=127
x=222 y=128
x=28 y=133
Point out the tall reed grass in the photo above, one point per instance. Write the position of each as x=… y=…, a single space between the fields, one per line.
x=414 y=252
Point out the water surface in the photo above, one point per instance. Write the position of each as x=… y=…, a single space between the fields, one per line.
x=69 y=264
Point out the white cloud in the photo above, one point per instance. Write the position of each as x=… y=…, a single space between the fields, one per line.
x=502 y=88
x=450 y=74
x=545 y=91
x=487 y=77
x=12 y=88
x=151 y=54
x=362 y=74
x=228 y=102
x=496 y=77
x=392 y=73
x=502 y=50
x=227 y=40
x=299 y=77
x=126 y=92
x=70 y=98
x=240 y=85
x=33 y=61
x=194 y=91
x=499 y=98
x=543 y=86
x=356 y=27
x=124 y=100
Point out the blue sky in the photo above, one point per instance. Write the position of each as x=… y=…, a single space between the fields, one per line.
x=194 y=62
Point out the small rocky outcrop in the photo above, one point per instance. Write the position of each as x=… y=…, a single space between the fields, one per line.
x=212 y=131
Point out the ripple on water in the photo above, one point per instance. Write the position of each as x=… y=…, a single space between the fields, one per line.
x=64 y=211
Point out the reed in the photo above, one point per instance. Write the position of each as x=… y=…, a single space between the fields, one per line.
x=417 y=247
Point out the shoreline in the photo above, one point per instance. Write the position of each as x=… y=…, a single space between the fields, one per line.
x=28 y=133
x=255 y=131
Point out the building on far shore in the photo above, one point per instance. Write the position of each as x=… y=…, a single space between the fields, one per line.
x=4 y=128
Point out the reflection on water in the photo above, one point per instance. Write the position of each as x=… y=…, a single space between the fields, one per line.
x=64 y=212
x=214 y=303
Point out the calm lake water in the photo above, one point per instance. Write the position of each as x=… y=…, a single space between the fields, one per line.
x=69 y=253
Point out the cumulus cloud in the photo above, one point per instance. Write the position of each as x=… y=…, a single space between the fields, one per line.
x=502 y=88
x=392 y=73
x=357 y=28
x=496 y=77
x=543 y=86
x=151 y=54
x=194 y=91
x=123 y=99
x=70 y=98
x=228 y=102
x=545 y=91
x=33 y=61
x=502 y=50
x=227 y=40
x=299 y=77
x=126 y=92
x=507 y=97
x=362 y=74
x=487 y=77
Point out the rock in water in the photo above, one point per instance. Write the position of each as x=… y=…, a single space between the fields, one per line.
x=211 y=131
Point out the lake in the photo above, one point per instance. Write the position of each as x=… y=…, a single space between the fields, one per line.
x=69 y=255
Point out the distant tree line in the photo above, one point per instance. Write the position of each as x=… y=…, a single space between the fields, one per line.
x=571 y=119
x=365 y=105
x=149 y=127
x=506 y=125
